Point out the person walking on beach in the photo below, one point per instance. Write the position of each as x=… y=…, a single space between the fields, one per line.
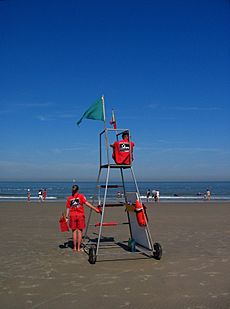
x=28 y=195
x=44 y=194
x=208 y=195
x=157 y=195
x=148 y=193
x=40 y=195
x=76 y=215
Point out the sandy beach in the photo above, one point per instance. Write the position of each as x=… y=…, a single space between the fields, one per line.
x=193 y=272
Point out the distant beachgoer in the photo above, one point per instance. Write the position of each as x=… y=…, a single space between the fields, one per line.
x=148 y=193
x=208 y=194
x=44 y=194
x=155 y=196
x=153 y=193
x=76 y=214
x=28 y=195
x=40 y=195
x=158 y=195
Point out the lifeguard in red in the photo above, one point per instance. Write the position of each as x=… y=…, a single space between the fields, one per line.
x=122 y=150
x=76 y=211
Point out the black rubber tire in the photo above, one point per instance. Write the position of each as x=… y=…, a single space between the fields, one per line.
x=133 y=246
x=92 y=255
x=158 y=251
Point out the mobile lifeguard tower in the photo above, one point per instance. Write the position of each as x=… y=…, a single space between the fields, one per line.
x=140 y=240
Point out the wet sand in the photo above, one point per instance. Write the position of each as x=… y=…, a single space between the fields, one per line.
x=193 y=272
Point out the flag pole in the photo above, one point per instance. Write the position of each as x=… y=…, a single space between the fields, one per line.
x=106 y=132
x=103 y=107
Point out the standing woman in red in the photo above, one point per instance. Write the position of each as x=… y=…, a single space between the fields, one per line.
x=76 y=214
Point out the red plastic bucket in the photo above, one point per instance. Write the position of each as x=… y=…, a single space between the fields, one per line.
x=63 y=224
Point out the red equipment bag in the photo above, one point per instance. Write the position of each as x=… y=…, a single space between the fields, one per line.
x=63 y=224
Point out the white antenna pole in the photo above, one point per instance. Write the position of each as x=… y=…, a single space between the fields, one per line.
x=106 y=133
x=103 y=106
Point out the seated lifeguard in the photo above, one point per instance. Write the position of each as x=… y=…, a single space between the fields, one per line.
x=123 y=149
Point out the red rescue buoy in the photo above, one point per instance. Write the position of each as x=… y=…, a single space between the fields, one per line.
x=112 y=223
x=140 y=214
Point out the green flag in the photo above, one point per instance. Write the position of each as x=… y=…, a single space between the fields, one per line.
x=95 y=112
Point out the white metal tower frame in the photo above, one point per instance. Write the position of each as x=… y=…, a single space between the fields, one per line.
x=109 y=166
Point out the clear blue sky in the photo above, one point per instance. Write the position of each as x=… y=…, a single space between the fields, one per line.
x=164 y=66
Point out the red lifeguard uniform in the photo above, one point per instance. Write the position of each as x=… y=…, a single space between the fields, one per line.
x=122 y=150
x=77 y=214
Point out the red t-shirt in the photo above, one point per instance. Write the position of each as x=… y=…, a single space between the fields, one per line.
x=121 y=151
x=75 y=203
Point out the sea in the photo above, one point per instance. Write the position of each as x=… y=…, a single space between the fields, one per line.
x=169 y=191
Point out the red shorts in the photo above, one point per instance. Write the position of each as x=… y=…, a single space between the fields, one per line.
x=77 y=221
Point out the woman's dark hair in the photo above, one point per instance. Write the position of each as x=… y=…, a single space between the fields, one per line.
x=75 y=188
